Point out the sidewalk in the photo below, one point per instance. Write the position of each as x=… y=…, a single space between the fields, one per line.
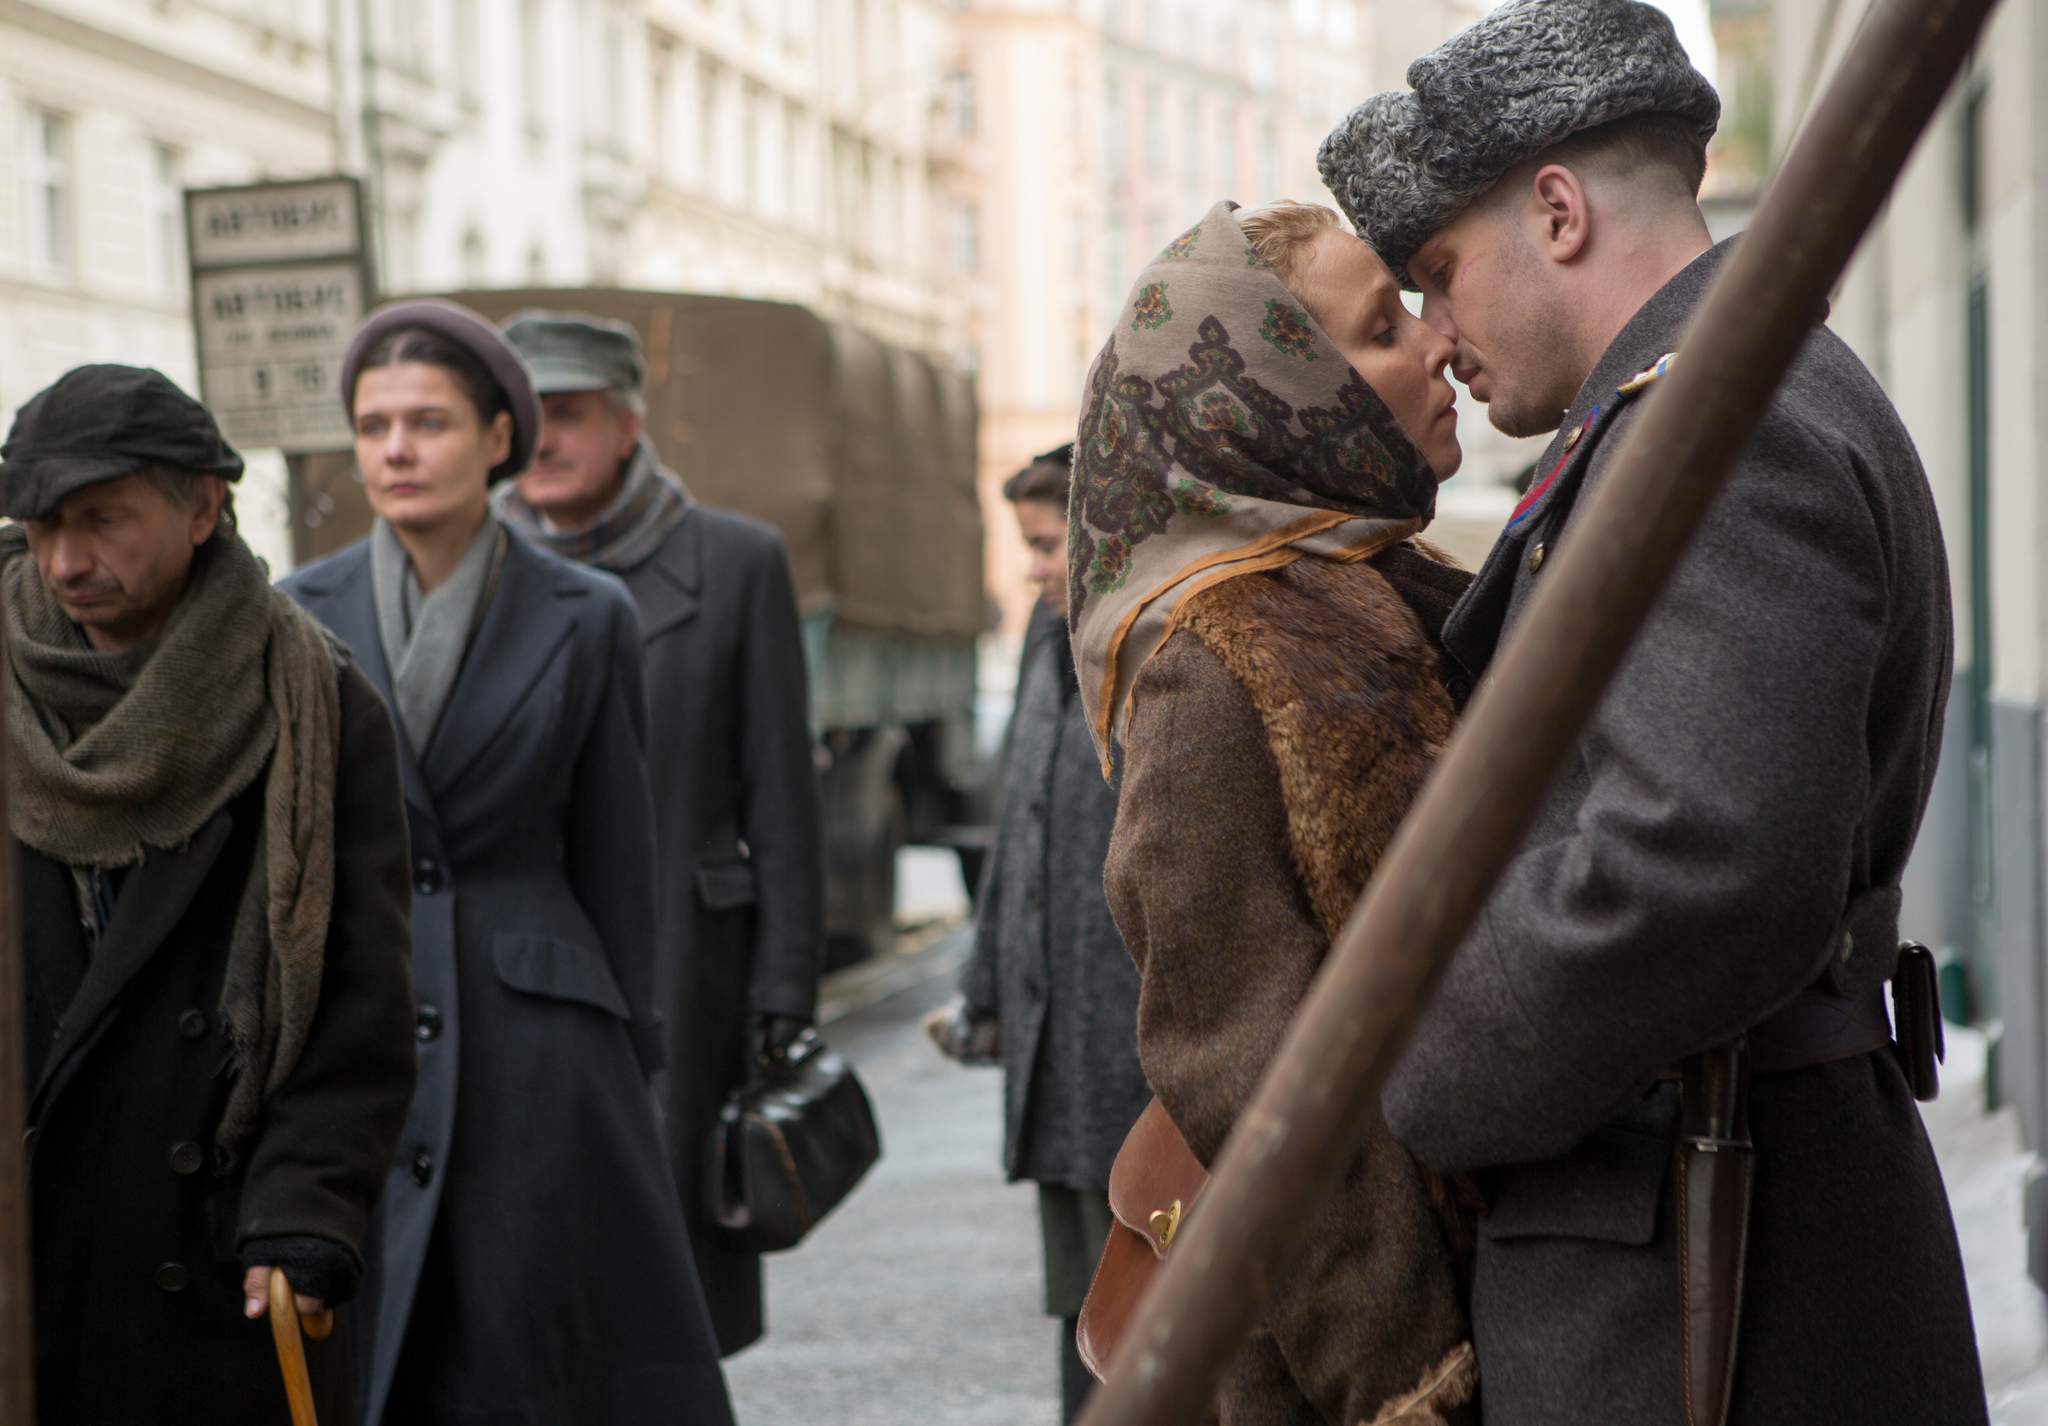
x=1982 y=1162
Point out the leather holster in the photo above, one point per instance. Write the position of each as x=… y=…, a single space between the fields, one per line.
x=1716 y=1167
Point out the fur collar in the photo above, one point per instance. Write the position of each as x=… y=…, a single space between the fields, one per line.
x=1355 y=711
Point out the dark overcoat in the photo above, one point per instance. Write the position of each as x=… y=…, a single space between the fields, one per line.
x=138 y=1220
x=1730 y=830
x=528 y=1257
x=1048 y=961
x=739 y=913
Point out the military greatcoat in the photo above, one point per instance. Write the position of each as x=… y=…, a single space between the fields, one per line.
x=1730 y=830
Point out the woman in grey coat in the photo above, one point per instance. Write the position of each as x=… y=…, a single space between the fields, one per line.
x=528 y=1263
x=1051 y=980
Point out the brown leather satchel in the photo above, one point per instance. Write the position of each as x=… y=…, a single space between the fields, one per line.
x=1152 y=1187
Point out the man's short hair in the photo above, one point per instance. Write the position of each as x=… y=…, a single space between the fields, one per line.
x=1278 y=231
x=176 y=485
x=1049 y=478
x=1624 y=148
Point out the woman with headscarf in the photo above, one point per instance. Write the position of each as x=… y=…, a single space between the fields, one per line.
x=528 y=1262
x=1255 y=629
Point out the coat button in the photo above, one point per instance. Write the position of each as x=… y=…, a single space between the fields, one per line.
x=1536 y=559
x=429 y=1024
x=423 y=1170
x=192 y=1024
x=426 y=876
x=172 y=1277
x=186 y=1157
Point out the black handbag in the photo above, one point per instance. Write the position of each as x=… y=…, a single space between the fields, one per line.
x=788 y=1147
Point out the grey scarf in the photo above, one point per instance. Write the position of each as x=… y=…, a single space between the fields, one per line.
x=651 y=502
x=426 y=635
x=110 y=754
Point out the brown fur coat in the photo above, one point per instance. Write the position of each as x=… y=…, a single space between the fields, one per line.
x=1276 y=740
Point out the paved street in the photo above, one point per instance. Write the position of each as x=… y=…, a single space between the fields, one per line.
x=918 y=1301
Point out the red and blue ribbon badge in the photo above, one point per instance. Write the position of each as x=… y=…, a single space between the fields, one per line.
x=1537 y=491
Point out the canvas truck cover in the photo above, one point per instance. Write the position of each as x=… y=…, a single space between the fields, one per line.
x=862 y=454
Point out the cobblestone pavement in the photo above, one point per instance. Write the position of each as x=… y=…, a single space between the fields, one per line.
x=918 y=1301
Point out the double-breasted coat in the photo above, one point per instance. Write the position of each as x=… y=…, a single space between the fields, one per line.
x=528 y=1263
x=1730 y=830
x=1048 y=961
x=739 y=889
x=138 y=1221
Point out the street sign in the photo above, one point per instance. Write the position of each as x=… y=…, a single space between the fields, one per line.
x=280 y=278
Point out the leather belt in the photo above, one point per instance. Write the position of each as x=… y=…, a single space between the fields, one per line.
x=1817 y=1028
x=1716 y=1160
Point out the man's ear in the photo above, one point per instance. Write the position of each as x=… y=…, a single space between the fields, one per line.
x=208 y=494
x=1557 y=201
x=629 y=431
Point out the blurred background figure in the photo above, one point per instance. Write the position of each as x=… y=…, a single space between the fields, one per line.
x=1051 y=993
x=740 y=882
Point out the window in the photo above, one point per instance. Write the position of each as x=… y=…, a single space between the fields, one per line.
x=473 y=257
x=47 y=165
x=468 y=55
x=166 y=220
x=658 y=100
x=967 y=238
x=614 y=82
x=1113 y=132
x=532 y=69
x=960 y=103
x=708 y=81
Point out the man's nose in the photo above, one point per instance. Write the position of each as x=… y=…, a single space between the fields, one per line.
x=1437 y=313
x=70 y=556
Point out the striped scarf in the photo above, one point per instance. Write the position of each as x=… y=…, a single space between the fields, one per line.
x=651 y=502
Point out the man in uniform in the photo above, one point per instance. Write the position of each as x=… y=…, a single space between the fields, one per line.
x=1718 y=863
x=741 y=891
x=215 y=920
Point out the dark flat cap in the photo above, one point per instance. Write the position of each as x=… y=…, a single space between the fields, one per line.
x=1404 y=164
x=476 y=335
x=99 y=423
x=574 y=351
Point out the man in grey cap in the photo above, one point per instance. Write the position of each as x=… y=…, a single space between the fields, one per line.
x=1706 y=909
x=215 y=934
x=741 y=881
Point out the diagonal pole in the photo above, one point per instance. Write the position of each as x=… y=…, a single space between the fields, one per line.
x=17 y=1333
x=1290 y=1145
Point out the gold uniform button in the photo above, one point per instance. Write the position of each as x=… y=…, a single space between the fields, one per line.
x=1573 y=438
x=1536 y=559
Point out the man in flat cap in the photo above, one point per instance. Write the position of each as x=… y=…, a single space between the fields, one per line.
x=1710 y=894
x=741 y=881
x=215 y=936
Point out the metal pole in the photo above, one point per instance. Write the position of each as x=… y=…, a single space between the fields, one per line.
x=1291 y=1144
x=17 y=1328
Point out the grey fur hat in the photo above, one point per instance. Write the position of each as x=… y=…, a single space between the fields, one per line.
x=1404 y=164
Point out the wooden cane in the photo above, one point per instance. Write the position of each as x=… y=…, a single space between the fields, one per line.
x=285 y=1326
x=1290 y=1145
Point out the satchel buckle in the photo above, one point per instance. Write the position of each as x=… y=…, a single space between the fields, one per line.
x=1164 y=1221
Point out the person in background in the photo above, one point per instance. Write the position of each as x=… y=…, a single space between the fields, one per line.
x=528 y=1264
x=218 y=1015
x=739 y=884
x=1051 y=993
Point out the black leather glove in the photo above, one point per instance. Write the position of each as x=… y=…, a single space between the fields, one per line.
x=774 y=1034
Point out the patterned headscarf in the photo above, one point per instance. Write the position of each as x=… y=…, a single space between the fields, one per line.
x=1223 y=434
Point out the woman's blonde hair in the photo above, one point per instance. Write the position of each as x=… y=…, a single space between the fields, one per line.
x=1281 y=229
